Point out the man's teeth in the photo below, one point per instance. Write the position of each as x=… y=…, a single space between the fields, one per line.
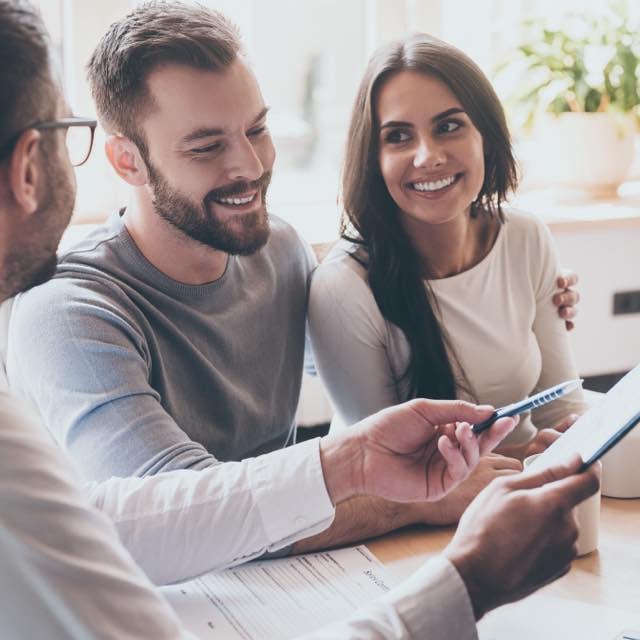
x=433 y=186
x=236 y=201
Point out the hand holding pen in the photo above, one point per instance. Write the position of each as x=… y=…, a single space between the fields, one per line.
x=532 y=402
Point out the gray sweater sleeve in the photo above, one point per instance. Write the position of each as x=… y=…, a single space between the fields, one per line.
x=79 y=356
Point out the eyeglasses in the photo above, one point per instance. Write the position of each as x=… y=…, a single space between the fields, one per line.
x=78 y=137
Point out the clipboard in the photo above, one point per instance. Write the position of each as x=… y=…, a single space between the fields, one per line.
x=600 y=428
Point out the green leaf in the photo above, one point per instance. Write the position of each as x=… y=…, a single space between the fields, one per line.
x=556 y=69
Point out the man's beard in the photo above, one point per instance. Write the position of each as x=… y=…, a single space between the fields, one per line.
x=240 y=234
x=22 y=272
x=33 y=257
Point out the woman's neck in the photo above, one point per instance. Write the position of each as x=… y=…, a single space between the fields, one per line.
x=447 y=249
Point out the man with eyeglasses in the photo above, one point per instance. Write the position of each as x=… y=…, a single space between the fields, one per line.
x=79 y=133
x=63 y=572
x=36 y=263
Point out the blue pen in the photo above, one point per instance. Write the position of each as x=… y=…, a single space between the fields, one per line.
x=532 y=402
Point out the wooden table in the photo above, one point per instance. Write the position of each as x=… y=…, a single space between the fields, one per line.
x=609 y=576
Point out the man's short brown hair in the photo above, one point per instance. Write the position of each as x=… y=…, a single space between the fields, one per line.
x=154 y=34
x=27 y=93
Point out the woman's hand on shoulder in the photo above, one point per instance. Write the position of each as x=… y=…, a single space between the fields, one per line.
x=567 y=298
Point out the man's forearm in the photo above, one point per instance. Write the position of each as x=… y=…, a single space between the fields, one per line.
x=365 y=517
x=357 y=517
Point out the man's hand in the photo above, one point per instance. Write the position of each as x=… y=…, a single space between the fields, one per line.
x=449 y=510
x=519 y=534
x=414 y=451
x=566 y=299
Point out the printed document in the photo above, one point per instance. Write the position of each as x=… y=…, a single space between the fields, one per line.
x=282 y=598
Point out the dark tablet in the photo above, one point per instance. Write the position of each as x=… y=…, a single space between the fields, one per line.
x=600 y=428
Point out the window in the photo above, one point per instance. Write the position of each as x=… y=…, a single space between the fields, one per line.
x=309 y=72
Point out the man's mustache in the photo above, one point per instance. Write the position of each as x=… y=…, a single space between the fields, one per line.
x=238 y=188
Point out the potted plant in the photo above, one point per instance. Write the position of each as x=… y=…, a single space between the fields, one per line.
x=578 y=91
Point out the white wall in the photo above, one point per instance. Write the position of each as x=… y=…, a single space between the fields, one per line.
x=606 y=255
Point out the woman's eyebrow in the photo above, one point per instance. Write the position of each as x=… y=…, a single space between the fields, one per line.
x=440 y=116
x=447 y=113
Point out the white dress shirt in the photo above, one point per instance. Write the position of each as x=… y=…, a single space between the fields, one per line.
x=224 y=515
x=65 y=575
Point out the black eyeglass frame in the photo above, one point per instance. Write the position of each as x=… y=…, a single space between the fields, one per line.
x=61 y=123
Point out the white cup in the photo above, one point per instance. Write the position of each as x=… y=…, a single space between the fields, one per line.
x=619 y=468
x=587 y=516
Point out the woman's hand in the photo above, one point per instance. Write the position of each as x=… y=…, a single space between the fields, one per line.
x=566 y=299
x=545 y=437
x=451 y=507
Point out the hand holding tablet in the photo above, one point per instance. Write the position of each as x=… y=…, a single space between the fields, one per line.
x=600 y=428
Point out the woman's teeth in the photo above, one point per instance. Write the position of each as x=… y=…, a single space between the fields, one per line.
x=433 y=186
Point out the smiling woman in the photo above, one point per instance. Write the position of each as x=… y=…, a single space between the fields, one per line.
x=431 y=159
x=437 y=290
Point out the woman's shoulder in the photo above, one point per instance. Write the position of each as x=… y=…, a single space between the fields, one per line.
x=344 y=260
x=341 y=278
x=524 y=222
x=525 y=229
x=530 y=246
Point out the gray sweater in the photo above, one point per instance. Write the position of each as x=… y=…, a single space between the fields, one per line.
x=136 y=373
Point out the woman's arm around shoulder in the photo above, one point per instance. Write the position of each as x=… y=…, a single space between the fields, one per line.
x=558 y=362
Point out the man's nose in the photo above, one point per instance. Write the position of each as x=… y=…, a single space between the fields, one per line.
x=244 y=162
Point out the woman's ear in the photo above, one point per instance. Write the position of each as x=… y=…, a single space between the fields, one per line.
x=125 y=158
x=25 y=171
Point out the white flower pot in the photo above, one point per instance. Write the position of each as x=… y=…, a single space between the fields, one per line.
x=588 y=151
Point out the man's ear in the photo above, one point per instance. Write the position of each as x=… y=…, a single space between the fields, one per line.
x=125 y=158
x=25 y=171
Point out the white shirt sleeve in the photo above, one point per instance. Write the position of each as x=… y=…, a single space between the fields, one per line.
x=63 y=574
x=230 y=513
x=433 y=604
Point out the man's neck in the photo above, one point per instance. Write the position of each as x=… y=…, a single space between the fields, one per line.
x=169 y=250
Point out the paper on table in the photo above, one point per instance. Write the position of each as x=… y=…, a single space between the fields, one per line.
x=279 y=598
x=619 y=407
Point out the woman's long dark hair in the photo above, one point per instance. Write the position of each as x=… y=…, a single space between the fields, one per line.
x=370 y=216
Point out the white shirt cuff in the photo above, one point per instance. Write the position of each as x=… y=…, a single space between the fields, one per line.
x=298 y=482
x=434 y=603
